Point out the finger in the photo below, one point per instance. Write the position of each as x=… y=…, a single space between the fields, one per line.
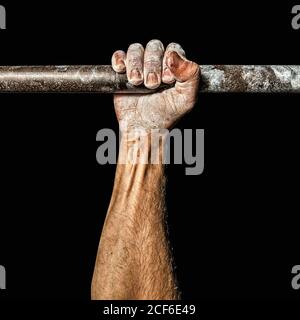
x=167 y=75
x=118 y=61
x=153 y=64
x=182 y=69
x=134 y=64
x=187 y=76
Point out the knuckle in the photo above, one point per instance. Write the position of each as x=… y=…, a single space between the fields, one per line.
x=152 y=67
x=152 y=63
x=135 y=62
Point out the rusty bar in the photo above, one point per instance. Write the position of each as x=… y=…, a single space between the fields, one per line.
x=102 y=79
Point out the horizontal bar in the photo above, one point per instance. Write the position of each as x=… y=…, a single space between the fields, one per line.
x=102 y=79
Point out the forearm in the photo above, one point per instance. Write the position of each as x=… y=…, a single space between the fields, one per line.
x=134 y=261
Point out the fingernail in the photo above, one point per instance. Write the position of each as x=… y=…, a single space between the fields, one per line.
x=152 y=79
x=167 y=75
x=136 y=76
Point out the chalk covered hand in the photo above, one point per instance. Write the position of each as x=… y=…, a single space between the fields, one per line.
x=152 y=66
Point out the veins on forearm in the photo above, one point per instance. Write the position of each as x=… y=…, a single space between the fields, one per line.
x=134 y=243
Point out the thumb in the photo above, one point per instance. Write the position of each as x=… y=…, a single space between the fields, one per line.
x=182 y=69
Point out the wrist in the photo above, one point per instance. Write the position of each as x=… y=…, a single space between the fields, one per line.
x=142 y=146
x=138 y=175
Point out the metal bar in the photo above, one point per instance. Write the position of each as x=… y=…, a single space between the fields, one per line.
x=102 y=79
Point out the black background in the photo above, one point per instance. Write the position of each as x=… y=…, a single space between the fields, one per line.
x=233 y=228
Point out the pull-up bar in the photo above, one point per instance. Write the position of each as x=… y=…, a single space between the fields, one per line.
x=102 y=79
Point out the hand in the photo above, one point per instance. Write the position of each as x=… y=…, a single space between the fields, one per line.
x=153 y=66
